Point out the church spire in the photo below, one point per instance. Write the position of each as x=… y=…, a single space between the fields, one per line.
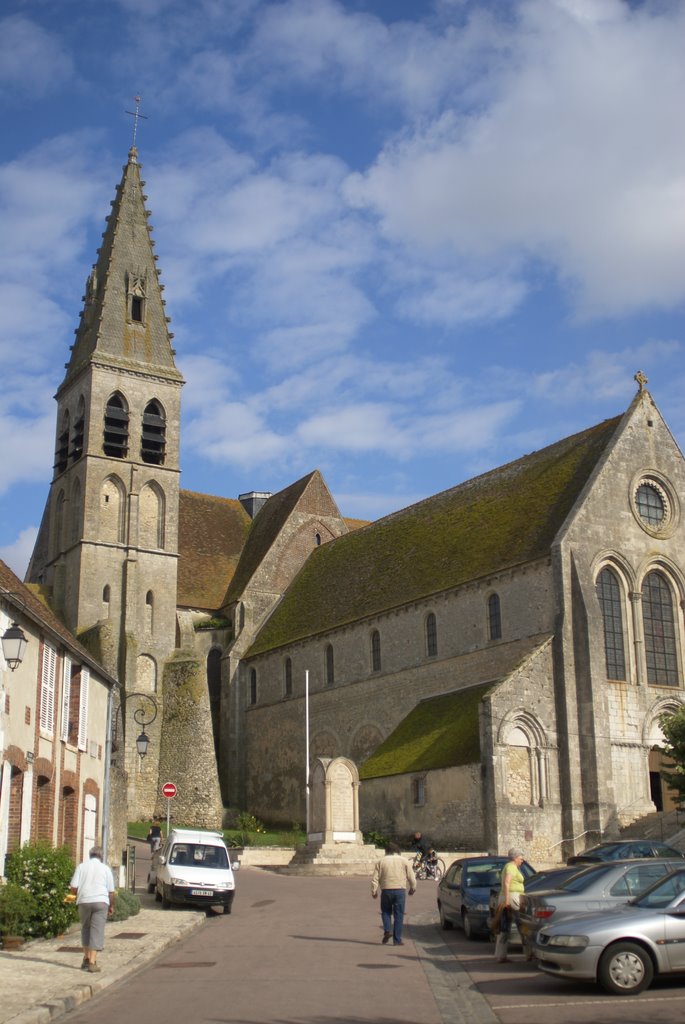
x=123 y=322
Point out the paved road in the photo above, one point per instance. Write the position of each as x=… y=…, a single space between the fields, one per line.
x=307 y=951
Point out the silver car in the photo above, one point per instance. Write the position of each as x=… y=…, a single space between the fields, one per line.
x=622 y=949
x=597 y=887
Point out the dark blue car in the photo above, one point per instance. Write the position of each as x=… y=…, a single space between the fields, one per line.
x=464 y=892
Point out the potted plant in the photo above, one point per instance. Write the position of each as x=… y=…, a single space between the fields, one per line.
x=17 y=906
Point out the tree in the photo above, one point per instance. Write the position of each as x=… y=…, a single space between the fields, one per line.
x=673 y=728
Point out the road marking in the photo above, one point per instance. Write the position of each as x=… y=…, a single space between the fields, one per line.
x=604 y=1001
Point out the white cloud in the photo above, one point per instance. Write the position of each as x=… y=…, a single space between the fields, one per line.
x=17 y=554
x=27 y=451
x=32 y=61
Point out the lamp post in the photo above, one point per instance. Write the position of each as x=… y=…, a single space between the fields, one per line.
x=142 y=717
x=13 y=645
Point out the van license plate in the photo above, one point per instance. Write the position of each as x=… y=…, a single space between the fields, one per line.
x=201 y=892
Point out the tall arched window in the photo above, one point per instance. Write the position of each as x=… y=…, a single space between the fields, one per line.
x=375 y=651
x=112 y=521
x=431 y=635
x=62 y=446
x=253 y=686
x=78 y=430
x=75 y=512
x=494 y=618
x=659 y=629
x=115 y=442
x=330 y=666
x=288 y=677
x=153 y=436
x=150 y=611
x=611 y=603
x=151 y=515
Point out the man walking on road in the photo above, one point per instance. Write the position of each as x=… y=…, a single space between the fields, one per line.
x=393 y=875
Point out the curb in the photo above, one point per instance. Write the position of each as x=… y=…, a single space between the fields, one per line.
x=51 y=1009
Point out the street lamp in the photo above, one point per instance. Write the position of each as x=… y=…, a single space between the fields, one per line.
x=13 y=645
x=142 y=717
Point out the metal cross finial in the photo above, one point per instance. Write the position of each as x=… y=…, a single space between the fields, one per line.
x=641 y=379
x=136 y=114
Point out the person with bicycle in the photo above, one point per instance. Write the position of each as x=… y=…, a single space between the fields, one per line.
x=424 y=848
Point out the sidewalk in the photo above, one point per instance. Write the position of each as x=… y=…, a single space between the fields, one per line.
x=45 y=980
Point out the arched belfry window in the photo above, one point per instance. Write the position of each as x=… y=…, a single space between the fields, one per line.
x=494 y=618
x=115 y=442
x=78 y=431
x=62 y=446
x=611 y=603
x=153 y=437
x=659 y=630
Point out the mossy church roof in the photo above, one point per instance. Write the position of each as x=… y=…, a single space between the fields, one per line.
x=211 y=536
x=506 y=517
x=440 y=732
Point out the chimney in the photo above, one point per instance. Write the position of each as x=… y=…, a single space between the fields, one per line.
x=252 y=501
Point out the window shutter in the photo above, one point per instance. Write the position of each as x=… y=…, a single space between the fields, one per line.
x=47 y=689
x=66 y=691
x=83 y=709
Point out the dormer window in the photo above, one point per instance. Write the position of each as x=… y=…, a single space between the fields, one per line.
x=153 y=438
x=137 y=292
x=115 y=443
x=137 y=309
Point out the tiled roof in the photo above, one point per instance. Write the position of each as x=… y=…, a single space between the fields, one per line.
x=264 y=530
x=504 y=518
x=440 y=732
x=211 y=535
x=25 y=598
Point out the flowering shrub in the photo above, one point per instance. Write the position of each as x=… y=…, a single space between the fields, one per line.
x=44 y=872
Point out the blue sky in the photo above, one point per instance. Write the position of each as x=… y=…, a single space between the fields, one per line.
x=402 y=242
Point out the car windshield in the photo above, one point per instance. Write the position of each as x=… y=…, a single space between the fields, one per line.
x=198 y=855
x=483 y=875
x=578 y=883
x=661 y=894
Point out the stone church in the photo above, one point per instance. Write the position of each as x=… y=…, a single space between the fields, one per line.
x=495 y=659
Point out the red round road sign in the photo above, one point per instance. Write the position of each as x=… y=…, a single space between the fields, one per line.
x=169 y=790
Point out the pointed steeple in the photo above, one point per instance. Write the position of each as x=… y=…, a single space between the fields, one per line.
x=123 y=322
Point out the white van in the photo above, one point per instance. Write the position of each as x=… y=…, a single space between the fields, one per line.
x=193 y=867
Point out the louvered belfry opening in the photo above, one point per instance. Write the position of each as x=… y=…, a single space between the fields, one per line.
x=153 y=439
x=116 y=428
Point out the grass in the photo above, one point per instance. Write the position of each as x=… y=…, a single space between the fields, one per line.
x=232 y=836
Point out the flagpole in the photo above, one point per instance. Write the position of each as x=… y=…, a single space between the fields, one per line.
x=306 y=748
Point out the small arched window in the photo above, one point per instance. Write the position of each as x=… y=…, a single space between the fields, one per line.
x=106 y=597
x=659 y=629
x=153 y=436
x=288 y=677
x=253 y=686
x=375 y=651
x=330 y=666
x=431 y=635
x=115 y=443
x=149 y=611
x=611 y=604
x=494 y=618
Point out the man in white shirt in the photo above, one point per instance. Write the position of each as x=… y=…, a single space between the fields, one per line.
x=93 y=886
x=393 y=875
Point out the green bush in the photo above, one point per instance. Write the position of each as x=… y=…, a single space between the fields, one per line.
x=127 y=904
x=45 y=872
x=17 y=908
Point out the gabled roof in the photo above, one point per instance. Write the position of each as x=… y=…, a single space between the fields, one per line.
x=211 y=536
x=440 y=732
x=126 y=253
x=496 y=521
x=27 y=603
x=264 y=530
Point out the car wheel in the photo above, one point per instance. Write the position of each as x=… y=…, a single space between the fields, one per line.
x=445 y=922
x=468 y=927
x=166 y=902
x=227 y=908
x=625 y=969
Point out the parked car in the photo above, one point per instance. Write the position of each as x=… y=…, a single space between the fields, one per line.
x=193 y=867
x=547 y=878
x=625 y=849
x=464 y=891
x=622 y=949
x=597 y=887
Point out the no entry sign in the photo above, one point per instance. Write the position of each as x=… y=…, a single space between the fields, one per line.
x=169 y=790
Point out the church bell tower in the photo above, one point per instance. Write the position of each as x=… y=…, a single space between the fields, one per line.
x=107 y=550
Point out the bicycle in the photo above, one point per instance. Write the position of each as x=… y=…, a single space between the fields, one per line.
x=433 y=868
